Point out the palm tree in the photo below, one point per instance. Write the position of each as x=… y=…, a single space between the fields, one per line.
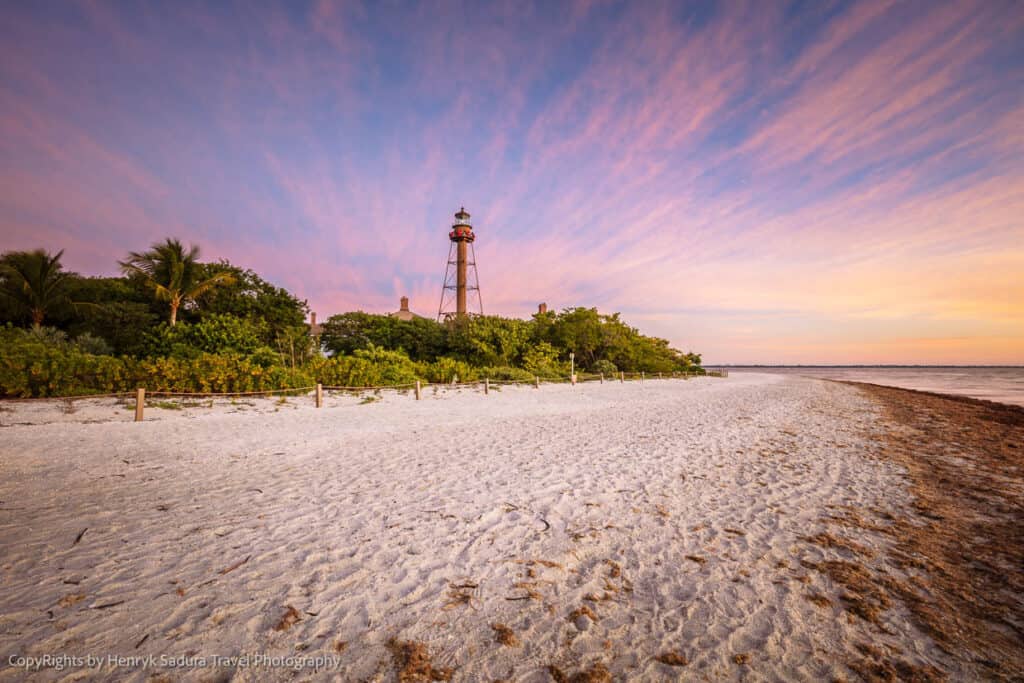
x=172 y=273
x=34 y=280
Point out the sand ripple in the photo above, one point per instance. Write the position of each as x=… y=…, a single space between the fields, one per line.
x=607 y=523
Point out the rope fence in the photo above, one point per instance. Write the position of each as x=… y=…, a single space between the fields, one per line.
x=229 y=394
x=141 y=394
x=37 y=399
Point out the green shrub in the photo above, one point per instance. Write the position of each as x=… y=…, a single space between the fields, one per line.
x=505 y=373
x=211 y=373
x=224 y=334
x=542 y=360
x=32 y=365
x=371 y=367
x=90 y=343
x=223 y=354
x=164 y=341
x=265 y=357
x=50 y=336
x=394 y=367
x=443 y=370
x=216 y=334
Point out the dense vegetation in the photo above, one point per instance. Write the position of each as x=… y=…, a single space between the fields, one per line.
x=174 y=323
x=539 y=346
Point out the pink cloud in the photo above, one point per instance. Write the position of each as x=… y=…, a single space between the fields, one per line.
x=688 y=175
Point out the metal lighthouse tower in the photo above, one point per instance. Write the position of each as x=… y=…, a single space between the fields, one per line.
x=460 y=278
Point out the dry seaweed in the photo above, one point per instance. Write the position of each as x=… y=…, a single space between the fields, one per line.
x=598 y=673
x=886 y=669
x=460 y=595
x=69 y=600
x=504 y=635
x=288 y=619
x=672 y=659
x=818 y=599
x=867 y=595
x=557 y=674
x=235 y=566
x=827 y=540
x=582 y=611
x=412 y=659
x=965 y=543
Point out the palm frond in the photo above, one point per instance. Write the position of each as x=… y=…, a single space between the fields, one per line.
x=209 y=283
x=171 y=271
x=33 y=280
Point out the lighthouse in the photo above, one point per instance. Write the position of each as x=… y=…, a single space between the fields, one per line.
x=461 y=285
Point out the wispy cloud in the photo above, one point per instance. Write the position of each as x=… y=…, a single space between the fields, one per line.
x=762 y=183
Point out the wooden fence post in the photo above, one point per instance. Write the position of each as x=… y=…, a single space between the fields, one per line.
x=319 y=395
x=487 y=385
x=536 y=382
x=622 y=377
x=659 y=375
x=641 y=377
x=602 y=378
x=140 y=402
x=417 y=390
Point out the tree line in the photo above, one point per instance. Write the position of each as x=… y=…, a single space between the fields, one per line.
x=174 y=319
x=540 y=346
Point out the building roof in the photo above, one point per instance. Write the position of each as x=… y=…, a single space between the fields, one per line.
x=403 y=312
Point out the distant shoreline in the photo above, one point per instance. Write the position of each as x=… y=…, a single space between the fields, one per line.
x=866 y=367
x=1002 y=384
x=962 y=398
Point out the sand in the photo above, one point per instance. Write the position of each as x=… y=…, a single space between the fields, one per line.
x=658 y=531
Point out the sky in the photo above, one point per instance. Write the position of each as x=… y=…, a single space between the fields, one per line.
x=763 y=182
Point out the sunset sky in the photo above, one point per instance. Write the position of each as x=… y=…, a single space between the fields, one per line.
x=815 y=182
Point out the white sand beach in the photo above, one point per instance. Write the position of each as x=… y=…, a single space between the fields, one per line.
x=610 y=524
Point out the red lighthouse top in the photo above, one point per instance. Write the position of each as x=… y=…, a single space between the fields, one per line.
x=462 y=229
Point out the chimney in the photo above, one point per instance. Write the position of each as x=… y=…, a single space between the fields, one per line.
x=542 y=309
x=404 y=304
x=312 y=319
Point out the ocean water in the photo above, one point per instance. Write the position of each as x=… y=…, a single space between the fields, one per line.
x=1005 y=384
